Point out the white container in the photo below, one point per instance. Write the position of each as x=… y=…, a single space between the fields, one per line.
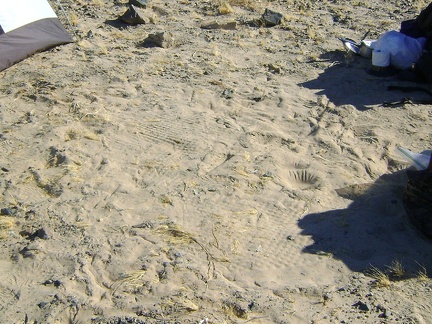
x=380 y=58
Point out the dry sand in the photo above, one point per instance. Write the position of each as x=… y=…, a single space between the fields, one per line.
x=235 y=176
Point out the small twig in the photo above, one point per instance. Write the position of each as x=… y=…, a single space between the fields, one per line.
x=216 y=240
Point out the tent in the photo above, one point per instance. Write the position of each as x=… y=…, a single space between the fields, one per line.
x=27 y=27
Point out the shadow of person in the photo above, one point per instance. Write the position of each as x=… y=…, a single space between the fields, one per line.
x=348 y=80
x=373 y=230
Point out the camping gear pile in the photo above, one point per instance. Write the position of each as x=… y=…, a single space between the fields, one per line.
x=401 y=49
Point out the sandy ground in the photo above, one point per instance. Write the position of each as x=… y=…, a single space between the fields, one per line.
x=232 y=176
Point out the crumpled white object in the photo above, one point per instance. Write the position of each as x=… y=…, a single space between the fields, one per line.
x=404 y=50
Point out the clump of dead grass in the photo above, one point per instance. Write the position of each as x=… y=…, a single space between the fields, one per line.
x=130 y=281
x=396 y=269
x=180 y=236
x=394 y=272
x=382 y=279
x=6 y=223
x=225 y=8
x=422 y=273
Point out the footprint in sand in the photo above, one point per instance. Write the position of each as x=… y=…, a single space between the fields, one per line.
x=297 y=176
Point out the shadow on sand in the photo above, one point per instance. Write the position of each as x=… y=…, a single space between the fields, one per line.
x=348 y=80
x=118 y=23
x=374 y=230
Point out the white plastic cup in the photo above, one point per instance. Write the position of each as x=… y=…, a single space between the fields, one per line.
x=380 y=58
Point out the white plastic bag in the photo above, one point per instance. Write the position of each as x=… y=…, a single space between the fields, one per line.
x=404 y=50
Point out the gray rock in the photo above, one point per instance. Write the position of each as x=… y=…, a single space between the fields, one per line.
x=271 y=18
x=163 y=39
x=227 y=25
x=134 y=16
x=43 y=233
x=8 y=211
x=30 y=250
x=362 y=306
x=228 y=93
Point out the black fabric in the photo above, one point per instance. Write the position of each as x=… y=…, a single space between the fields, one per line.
x=1 y=30
x=424 y=20
x=412 y=29
x=417 y=199
x=24 y=41
x=423 y=67
x=421 y=26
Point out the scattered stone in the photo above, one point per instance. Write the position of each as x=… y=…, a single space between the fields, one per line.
x=326 y=297
x=252 y=306
x=385 y=314
x=139 y=3
x=267 y=174
x=227 y=93
x=55 y=283
x=57 y=157
x=134 y=16
x=271 y=18
x=362 y=306
x=162 y=39
x=257 y=99
x=8 y=211
x=124 y=319
x=227 y=25
x=273 y=68
x=41 y=233
x=239 y=309
x=146 y=224
x=51 y=188
x=29 y=251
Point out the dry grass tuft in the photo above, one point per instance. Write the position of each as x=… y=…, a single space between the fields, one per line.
x=132 y=280
x=396 y=269
x=166 y=200
x=179 y=236
x=6 y=223
x=382 y=280
x=225 y=9
x=422 y=273
x=73 y=18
